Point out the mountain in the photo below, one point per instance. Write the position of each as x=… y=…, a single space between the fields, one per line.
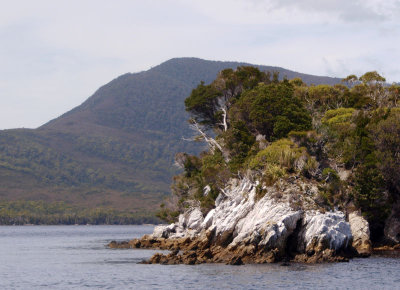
x=117 y=148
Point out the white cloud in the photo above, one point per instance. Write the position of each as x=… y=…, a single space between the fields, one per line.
x=55 y=54
x=337 y=10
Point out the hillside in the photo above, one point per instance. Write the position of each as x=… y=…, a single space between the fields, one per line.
x=116 y=149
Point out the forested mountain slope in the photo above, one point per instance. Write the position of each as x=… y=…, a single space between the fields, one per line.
x=116 y=149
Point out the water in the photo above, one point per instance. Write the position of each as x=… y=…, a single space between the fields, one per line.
x=64 y=257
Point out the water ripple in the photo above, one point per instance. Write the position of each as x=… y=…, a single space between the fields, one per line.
x=75 y=257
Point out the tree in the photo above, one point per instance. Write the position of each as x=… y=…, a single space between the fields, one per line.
x=209 y=104
x=374 y=83
x=350 y=80
x=203 y=104
x=393 y=95
x=271 y=110
x=387 y=141
x=372 y=77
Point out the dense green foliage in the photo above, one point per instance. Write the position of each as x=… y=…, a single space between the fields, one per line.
x=272 y=110
x=283 y=152
x=345 y=137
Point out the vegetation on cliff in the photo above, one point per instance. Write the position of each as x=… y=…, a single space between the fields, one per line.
x=345 y=137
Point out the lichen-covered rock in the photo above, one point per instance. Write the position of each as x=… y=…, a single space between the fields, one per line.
x=191 y=219
x=323 y=231
x=361 y=235
x=164 y=231
x=246 y=228
x=268 y=223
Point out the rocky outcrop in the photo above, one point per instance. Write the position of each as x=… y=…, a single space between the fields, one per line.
x=323 y=231
x=361 y=235
x=248 y=227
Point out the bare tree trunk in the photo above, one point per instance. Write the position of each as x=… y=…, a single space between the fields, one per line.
x=223 y=107
x=224 y=123
x=212 y=143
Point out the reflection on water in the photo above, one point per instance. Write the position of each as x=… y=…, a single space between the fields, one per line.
x=60 y=257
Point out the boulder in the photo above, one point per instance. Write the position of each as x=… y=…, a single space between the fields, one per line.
x=164 y=231
x=361 y=235
x=191 y=219
x=321 y=231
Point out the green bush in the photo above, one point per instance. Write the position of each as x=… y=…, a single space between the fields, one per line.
x=273 y=173
x=283 y=153
x=337 y=116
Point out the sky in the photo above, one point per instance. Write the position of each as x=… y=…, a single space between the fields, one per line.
x=56 y=54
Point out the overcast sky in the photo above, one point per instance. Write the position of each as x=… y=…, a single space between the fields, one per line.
x=55 y=54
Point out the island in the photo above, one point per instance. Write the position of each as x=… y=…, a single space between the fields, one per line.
x=293 y=172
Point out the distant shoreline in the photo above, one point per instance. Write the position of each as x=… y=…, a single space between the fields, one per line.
x=60 y=213
x=34 y=225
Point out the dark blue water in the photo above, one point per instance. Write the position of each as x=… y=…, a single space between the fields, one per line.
x=65 y=257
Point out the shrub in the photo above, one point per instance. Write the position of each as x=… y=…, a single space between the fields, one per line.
x=339 y=120
x=273 y=172
x=337 y=116
x=283 y=153
x=306 y=139
x=310 y=167
x=298 y=135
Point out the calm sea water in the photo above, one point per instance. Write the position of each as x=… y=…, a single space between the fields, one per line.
x=64 y=257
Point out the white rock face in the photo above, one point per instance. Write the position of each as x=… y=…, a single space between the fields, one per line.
x=159 y=231
x=231 y=210
x=240 y=219
x=192 y=219
x=321 y=229
x=164 y=231
x=361 y=235
x=359 y=225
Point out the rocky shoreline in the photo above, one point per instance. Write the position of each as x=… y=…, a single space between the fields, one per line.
x=200 y=250
x=387 y=251
x=246 y=228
